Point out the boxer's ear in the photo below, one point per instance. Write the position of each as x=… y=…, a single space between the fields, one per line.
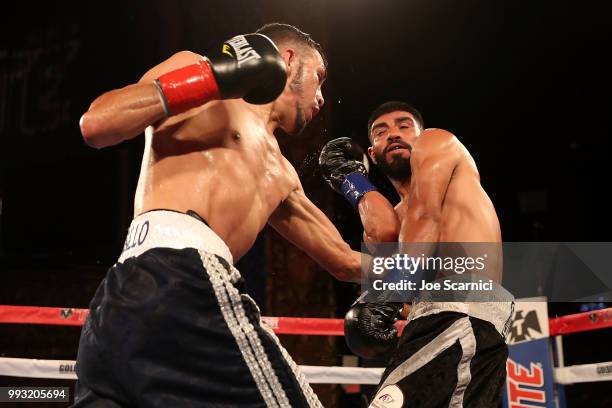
x=372 y=155
x=289 y=57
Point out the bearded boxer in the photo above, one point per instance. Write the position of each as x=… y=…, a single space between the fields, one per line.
x=451 y=354
x=171 y=324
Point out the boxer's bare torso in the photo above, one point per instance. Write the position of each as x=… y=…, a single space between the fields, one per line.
x=221 y=162
x=466 y=217
x=467 y=213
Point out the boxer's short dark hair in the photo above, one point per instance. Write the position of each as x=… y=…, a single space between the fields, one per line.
x=393 y=106
x=279 y=32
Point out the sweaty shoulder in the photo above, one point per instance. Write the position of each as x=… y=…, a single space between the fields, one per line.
x=436 y=138
x=435 y=142
x=176 y=61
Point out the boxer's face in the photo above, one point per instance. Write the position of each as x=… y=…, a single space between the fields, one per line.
x=392 y=136
x=302 y=99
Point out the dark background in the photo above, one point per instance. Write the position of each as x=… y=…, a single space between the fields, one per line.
x=523 y=85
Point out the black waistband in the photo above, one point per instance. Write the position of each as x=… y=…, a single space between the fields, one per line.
x=191 y=213
x=196 y=216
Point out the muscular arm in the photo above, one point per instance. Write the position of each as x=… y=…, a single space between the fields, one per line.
x=123 y=114
x=304 y=225
x=433 y=163
x=379 y=219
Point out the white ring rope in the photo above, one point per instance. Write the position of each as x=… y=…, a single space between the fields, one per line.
x=33 y=368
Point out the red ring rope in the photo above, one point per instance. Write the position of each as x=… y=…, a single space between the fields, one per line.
x=579 y=322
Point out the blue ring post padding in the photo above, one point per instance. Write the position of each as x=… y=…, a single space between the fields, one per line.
x=354 y=186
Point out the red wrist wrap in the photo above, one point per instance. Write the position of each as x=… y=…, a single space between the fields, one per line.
x=188 y=87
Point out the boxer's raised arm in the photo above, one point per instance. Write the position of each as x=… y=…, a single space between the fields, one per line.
x=124 y=113
x=433 y=162
x=304 y=225
x=246 y=66
x=343 y=165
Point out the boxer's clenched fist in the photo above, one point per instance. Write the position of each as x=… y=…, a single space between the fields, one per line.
x=343 y=164
x=246 y=66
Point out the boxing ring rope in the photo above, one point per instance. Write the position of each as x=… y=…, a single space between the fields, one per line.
x=34 y=368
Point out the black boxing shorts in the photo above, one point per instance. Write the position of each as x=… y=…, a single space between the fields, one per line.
x=171 y=326
x=449 y=355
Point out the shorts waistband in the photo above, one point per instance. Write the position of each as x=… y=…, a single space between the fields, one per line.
x=496 y=313
x=497 y=308
x=171 y=229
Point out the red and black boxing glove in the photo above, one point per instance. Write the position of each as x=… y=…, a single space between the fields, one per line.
x=248 y=66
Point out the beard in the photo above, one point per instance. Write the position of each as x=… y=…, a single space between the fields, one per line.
x=398 y=168
x=297 y=86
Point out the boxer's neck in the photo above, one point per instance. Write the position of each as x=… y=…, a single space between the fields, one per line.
x=267 y=114
x=402 y=187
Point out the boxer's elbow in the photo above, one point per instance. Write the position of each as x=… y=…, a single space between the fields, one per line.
x=96 y=132
x=89 y=131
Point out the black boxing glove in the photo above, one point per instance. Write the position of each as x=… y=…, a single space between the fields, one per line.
x=250 y=67
x=247 y=66
x=369 y=329
x=343 y=164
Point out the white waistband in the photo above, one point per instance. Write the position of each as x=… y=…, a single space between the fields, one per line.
x=170 y=229
x=496 y=313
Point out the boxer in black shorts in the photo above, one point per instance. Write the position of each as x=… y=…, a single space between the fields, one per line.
x=170 y=325
x=452 y=352
x=173 y=307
